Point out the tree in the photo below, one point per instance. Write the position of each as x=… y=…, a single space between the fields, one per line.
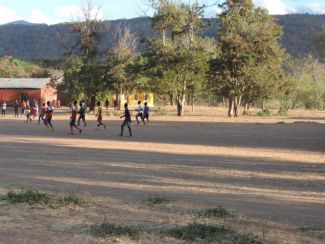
x=319 y=44
x=120 y=59
x=90 y=29
x=250 y=64
x=179 y=62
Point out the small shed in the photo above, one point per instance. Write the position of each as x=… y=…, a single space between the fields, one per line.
x=40 y=89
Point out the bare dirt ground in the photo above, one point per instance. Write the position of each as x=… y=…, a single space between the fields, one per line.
x=271 y=171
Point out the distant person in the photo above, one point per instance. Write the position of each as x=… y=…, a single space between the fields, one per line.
x=99 y=116
x=4 y=109
x=73 y=118
x=82 y=113
x=42 y=114
x=16 y=106
x=29 y=113
x=48 y=116
x=23 y=107
x=139 y=113
x=127 y=120
x=107 y=104
x=145 y=112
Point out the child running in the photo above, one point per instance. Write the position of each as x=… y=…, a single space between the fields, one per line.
x=42 y=114
x=145 y=113
x=139 y=113
x=29 y=113
x=82 y=113
x=127 y=120
x=73 y=118
x=99 y=116
x=48 y=117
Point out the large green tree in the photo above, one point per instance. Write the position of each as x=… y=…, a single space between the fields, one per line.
x=251 y=61
x=177 y=62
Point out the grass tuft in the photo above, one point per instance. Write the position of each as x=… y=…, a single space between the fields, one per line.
x=107 y=229
x=156 y=200
x=219 y=212
x=35 y=197
x=210 y=233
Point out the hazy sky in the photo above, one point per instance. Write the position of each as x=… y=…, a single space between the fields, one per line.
x=55 y=11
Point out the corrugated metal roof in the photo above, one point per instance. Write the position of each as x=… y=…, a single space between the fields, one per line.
x=23 y=83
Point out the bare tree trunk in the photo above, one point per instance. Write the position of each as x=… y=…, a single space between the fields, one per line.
x=121 y=96
x=193 y=100
x=263 y=105
x=237 y=101
x=231 y=106
x=171 y=99
x=92 y=103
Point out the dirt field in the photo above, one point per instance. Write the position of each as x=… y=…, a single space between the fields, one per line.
x=271 y=171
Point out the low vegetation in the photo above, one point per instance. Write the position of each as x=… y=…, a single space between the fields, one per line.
x=108 y=229
x=219 y=212
x=31 y=197
x=156 y=200
x=209 y=233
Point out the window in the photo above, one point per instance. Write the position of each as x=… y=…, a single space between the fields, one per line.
x=145 y=96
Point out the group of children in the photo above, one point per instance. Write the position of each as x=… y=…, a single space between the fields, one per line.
x=143 y=113
x=78 y=114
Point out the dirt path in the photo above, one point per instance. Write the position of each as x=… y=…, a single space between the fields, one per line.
x=268 y=171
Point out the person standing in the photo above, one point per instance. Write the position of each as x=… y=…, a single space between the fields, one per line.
x=73 y=118
x=4 y=108
x=127 y=120
x=16 y=106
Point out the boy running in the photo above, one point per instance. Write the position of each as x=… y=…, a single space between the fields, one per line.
x=29 y=112
x=127 y=120
x=145 y=113
x=48 y=116
x=139 y=113
x=82 y=113
x=99 y=116
x=73 y=118
x=42 y=113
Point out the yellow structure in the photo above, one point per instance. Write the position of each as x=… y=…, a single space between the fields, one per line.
x=135 y=96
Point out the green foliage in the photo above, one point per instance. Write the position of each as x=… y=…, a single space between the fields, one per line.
x=156 y=200
x=251 y=60
x=210 y=234
x=14 y=68
x=264 y=113
x=161 y=111
x=219 y=212
x=35 y=197
x=107 y=229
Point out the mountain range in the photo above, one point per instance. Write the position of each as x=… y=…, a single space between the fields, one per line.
x=28 y=41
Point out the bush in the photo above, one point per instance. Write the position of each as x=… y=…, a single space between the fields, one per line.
x=114 y=230
x=35 y=197
x=264 y=113
x=161 y=111
x=219 y=212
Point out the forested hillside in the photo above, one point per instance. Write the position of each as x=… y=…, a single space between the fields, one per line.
x=29 y=41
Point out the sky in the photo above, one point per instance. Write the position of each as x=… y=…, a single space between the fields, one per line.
x=57 y=11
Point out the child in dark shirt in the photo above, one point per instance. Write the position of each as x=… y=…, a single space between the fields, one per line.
x=127 y=120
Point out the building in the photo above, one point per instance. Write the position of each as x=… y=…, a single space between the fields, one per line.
x=135 y=96
x=40 y=89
